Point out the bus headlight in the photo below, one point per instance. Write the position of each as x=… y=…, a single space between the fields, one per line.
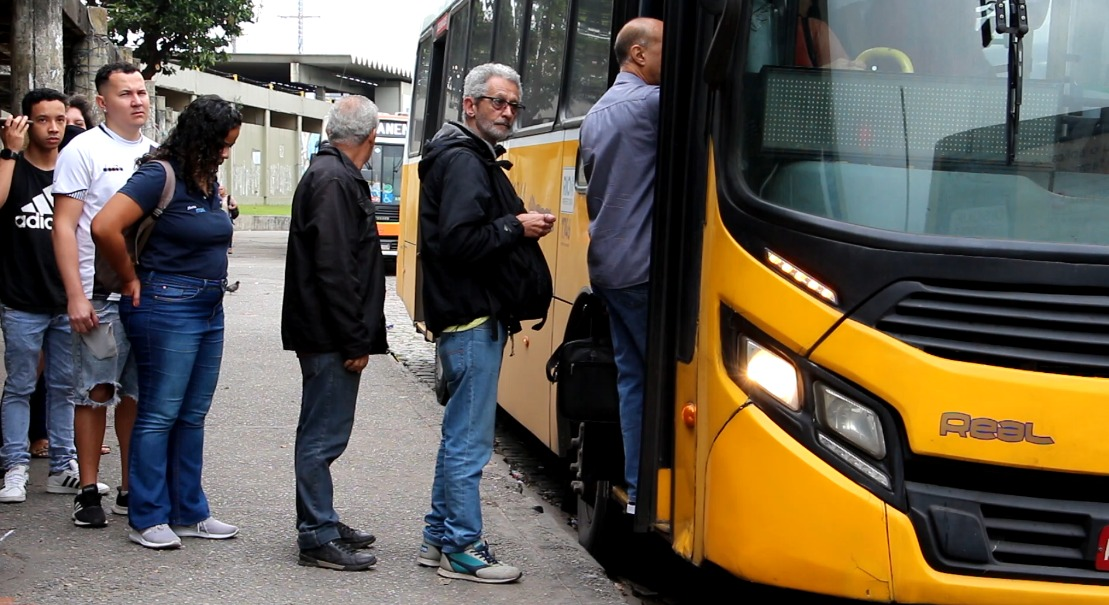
x=854 y=422
x=773 y=373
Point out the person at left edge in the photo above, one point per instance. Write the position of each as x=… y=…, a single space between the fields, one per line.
x=33 y=312
x=172 y=309
x=333 y=318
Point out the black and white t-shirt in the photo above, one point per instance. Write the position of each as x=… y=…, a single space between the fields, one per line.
x=92 y=168
x=29 y=278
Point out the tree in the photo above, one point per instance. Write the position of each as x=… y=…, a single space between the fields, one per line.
x=189 y=33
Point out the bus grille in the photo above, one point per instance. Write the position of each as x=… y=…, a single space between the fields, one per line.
x=1056 y=333
x=387 y=213
x=986 y=533
x=1022 y=536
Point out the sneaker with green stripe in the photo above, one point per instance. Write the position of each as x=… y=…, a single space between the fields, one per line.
x=477 y=564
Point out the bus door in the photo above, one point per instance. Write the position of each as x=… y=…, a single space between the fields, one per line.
x=427 y=117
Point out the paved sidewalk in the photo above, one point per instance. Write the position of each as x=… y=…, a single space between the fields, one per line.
x=382 y=485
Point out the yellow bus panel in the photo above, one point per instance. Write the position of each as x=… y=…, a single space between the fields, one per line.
x=974 y=412
x=777 y=514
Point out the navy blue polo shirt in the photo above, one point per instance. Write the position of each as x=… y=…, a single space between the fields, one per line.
x=193 y=233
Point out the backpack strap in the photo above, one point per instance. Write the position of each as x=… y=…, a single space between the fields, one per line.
x=146 y=226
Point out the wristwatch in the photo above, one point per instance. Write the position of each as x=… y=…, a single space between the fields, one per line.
x=8 y=154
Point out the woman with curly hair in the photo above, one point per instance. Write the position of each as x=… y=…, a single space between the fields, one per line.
x=172 y=310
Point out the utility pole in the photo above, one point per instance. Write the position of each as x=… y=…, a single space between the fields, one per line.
x=300 y=17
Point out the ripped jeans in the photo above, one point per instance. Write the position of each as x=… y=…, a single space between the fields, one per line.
x=118 y=370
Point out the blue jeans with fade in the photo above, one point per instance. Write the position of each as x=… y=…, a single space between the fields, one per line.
x=25 y=335
x=328 y=397
x=176 y=335
x=627 y=312
x=471 y=362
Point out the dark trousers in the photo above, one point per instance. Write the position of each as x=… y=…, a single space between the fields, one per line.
x=327 y=404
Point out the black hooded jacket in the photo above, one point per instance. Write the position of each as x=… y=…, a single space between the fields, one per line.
x=334 y=270
x=469 y=232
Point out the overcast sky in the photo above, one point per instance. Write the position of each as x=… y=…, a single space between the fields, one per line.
x=383 y=31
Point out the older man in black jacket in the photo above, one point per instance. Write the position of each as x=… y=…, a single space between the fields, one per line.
x=478 y=243
x=333 y=317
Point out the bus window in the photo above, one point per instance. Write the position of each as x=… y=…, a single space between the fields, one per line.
x=384 y=173
x=510 y=27
x=456 y=62
x=542 y=74
x=481 y=34
x=590 y=52
x=419 y=96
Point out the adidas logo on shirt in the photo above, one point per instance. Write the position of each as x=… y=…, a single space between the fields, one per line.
x=39 y=214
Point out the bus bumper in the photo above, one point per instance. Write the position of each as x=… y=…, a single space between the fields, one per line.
x=389 y=234
x=776 y=514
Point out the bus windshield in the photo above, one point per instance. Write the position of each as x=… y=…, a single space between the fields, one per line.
x=384 y=172
x=935 y=117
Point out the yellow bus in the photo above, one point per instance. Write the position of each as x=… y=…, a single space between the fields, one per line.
x=879 y=337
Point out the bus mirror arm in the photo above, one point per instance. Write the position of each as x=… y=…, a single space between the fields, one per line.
x=719 y=54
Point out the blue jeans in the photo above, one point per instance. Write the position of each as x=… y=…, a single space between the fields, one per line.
x=25 y=335
x=328 y=397
x=627 y=312
x=176 y=335
x=471 y=362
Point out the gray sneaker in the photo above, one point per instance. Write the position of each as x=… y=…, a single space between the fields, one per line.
x=429 y=555
x=15 y=484
x=158 y=537
x=477 y=564
x=210 y=528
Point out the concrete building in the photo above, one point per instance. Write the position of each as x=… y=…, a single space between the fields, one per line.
x=325 y=76
x=280 y=131
x=284 y=98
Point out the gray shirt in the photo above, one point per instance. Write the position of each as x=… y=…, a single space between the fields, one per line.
x=619 y=145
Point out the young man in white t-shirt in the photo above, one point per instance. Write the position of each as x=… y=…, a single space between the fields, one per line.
x=90 y=170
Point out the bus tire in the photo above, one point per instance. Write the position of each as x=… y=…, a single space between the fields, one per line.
x=594 y=515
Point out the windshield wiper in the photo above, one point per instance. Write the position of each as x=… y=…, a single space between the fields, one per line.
x=1011 y=17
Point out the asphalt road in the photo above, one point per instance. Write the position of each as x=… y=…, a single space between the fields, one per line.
x=382 y=484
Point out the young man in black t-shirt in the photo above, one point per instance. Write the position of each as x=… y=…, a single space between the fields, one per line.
x=32 y=298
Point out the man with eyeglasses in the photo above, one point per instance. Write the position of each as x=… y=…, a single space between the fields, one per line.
x=619 y=148
x=473 y=227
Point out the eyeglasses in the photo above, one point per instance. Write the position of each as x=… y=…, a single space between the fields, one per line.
x=499 y=103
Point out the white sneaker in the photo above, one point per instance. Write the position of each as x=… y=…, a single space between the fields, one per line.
x=158 y=537
x=15 y=484
x=210 y=528
x=68 y=481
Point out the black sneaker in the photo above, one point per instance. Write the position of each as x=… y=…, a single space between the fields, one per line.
x=355 y=538
x=120 y=506
x=337 y=555
x=87 y=511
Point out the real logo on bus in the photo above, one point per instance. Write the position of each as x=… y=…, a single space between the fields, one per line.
x=988 y=429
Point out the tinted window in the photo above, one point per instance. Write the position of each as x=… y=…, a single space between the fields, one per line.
x=542 y=76
x=456 y=62
x=419 y=96
x=510 y=27
x=591 y=51
x=481 y=33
